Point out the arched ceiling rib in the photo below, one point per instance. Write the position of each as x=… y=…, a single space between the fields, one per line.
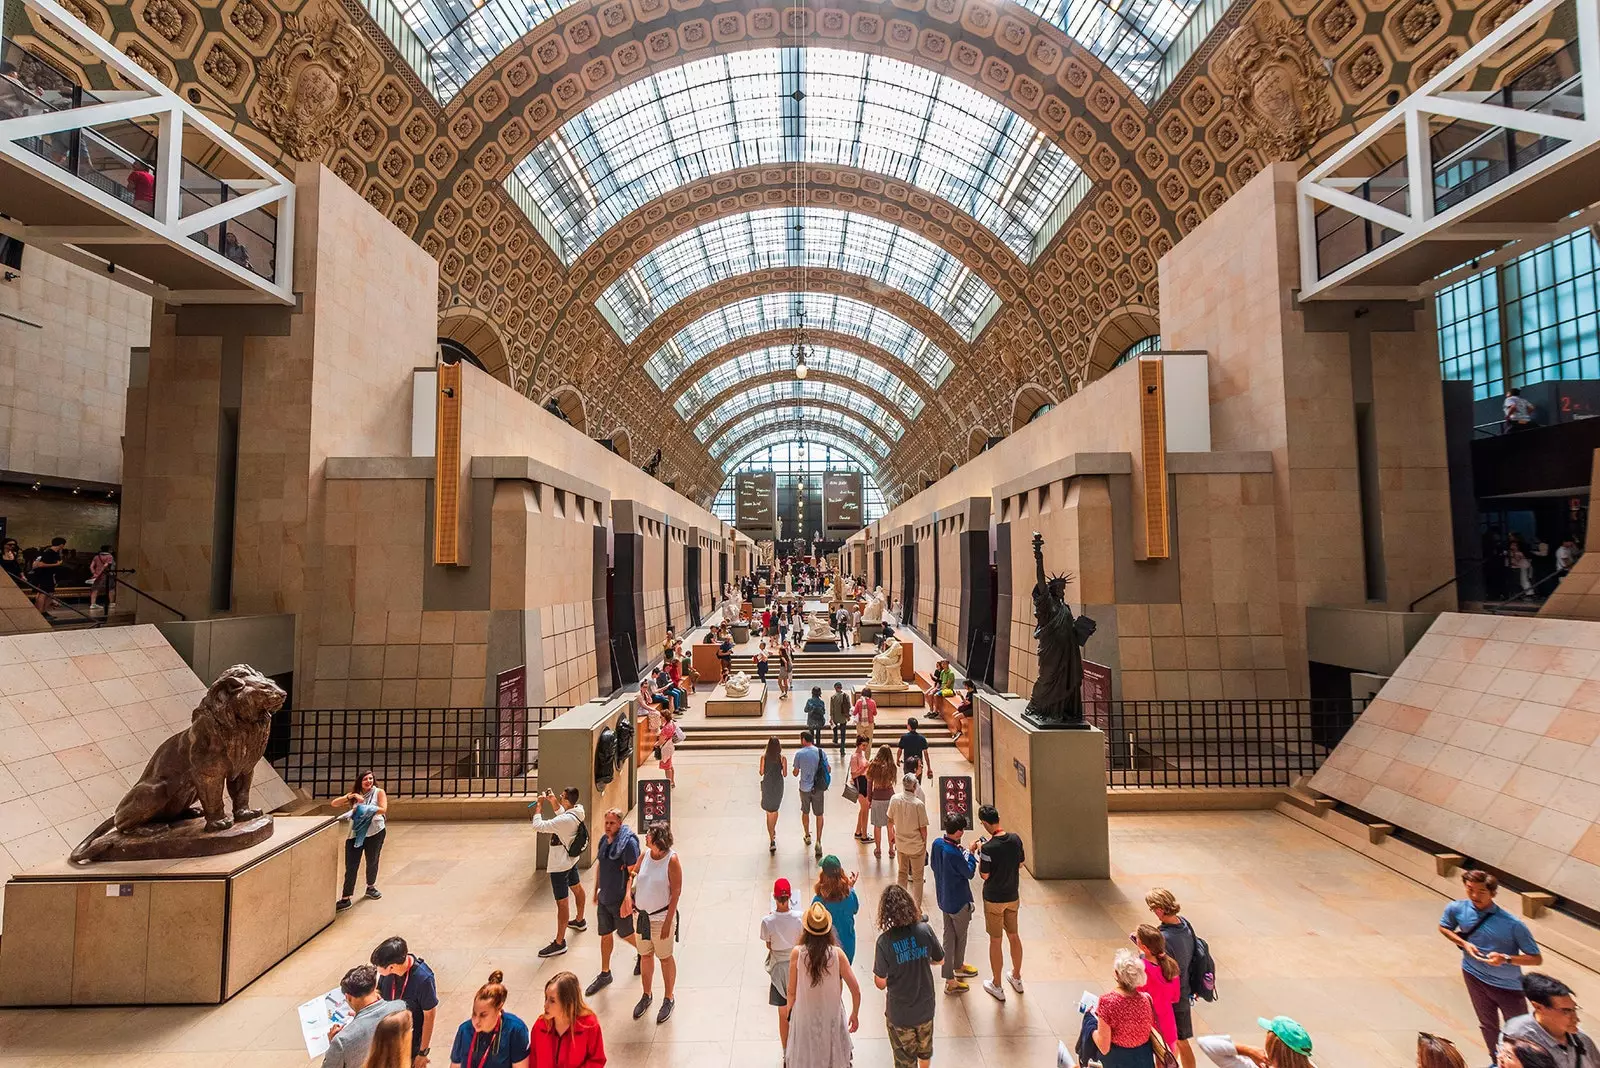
x=799 y=237
x=906 y=405
x=832 y=434
x=786 y=395
x=786 y=313
x=786 y=105
x=825 y=414
x=749 y=359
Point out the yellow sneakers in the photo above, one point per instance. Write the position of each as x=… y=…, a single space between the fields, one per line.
x=967 y=970
x=956 y=986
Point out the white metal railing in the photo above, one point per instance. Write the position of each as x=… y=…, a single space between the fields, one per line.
x=1409 y=181
x=181 y=215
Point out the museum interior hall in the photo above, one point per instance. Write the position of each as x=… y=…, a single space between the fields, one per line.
x=1122 y=466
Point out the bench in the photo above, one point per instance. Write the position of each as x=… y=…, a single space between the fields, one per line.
x=947 y=710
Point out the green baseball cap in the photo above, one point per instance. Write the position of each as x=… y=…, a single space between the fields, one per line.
x=1289 y=1033
x=830 y=863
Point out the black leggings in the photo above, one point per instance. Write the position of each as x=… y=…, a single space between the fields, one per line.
x=373 y=848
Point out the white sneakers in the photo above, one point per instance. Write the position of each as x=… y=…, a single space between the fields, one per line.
x=998 y=991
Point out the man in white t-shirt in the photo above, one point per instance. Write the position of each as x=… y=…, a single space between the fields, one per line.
x=780 y=930
x=1518 y=411
x=562 y=867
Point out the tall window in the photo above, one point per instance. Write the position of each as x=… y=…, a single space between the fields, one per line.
x=792 y=459
x=1535 y=319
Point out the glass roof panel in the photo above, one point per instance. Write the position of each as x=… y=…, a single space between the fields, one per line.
x=738 y=110
x=821 y=359
x=1129 y=36
x=787 y=311
x=796 y=416
x=794 y=237
x=787 y=438
x=792 y=392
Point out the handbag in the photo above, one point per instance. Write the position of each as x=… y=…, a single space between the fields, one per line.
x=851 y=794
x=1164 y=1057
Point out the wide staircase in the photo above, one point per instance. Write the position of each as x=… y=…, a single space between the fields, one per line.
x=815 y=665
x=750 y=736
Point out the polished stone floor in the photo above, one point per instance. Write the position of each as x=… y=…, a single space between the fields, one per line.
x=1298 y=924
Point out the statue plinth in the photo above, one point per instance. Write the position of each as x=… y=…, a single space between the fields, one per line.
x=182 y=838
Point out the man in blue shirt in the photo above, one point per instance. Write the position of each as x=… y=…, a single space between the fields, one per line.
x=953 y=868
x=1494 y=947
x=810 y=767
x=407 y=978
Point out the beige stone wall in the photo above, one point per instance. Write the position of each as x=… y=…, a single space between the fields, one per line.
x=653 y=534
x=1277 y=385
x=927 y=589
x=66 y=334
x=677 y=597
x=948 y=533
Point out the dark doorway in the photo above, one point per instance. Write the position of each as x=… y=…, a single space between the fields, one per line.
x=691 y=582
x=908 y=584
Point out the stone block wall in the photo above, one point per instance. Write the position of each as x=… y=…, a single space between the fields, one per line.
x=947 y=594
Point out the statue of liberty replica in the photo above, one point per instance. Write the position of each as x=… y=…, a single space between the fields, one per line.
x=1057 y=699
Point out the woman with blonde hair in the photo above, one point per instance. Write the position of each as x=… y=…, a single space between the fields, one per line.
x=493 y=1038
x=1160 y=982
x=819 y=1033
x=391 y=1043
x=1287 y=1046
x=1126 y=1017
x=774 y=768
x=881 y=775
x=567 y=1034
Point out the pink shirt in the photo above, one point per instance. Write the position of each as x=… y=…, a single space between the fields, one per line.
x=1164 y=994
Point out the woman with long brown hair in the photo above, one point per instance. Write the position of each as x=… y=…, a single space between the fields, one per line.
x=1161 y=980
x=860 y=757
x=774 y=769
x=1436 y=1052
x=819 y=1033
x=493 y=1038
x=391 y=1043
x=567 y=1034
x=836 y=892
x=881 y=775
x=369 y=809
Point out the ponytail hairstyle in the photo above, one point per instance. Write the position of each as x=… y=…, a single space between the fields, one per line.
x=494 y=991
x=1155 y=944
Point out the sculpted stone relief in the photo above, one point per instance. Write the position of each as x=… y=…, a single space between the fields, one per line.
x=312 y=83
x=1275 y=84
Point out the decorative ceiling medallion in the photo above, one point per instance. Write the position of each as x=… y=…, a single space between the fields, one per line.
x=311 y=82
x=1274 y=81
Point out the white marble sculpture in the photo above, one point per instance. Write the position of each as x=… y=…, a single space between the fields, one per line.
x=818 y=629
x=886 y=668
x=873 y=612
x=738 y=685
x=730 y=612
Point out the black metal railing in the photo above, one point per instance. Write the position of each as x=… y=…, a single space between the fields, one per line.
x=1248 y=742
x=416 y=752
x=147 y=595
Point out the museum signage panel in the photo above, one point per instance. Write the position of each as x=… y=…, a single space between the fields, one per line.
x=753 y=496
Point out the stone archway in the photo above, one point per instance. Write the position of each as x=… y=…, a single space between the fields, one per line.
x=1116 y=333
x=1025 y=407
x=570 y=404
x=472 y=330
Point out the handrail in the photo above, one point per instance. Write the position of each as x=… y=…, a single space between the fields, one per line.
x=120 y=581
x=1478 y=566
x=86 y=617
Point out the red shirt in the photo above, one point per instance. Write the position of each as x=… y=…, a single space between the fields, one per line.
x=674 y=670
x=581 y=1047
x=1129 y=1016
x=142 y=184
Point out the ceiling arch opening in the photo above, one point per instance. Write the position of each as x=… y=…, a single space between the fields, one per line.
x=567 y=405
x=1031 y=402
x=775 y=364
x=823 y=414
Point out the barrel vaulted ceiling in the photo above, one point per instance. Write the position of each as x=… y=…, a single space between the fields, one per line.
x=638 y=199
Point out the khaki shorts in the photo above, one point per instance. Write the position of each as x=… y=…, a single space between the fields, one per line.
x=653 y=943
x=1000 y=917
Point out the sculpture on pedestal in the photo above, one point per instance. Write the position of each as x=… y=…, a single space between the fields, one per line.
x=738 y=684
x=1058 y=691
x=873 y=611
x=818 y=629
x=210 y=764
x=886 y=668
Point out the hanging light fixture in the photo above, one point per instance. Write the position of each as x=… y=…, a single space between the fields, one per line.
x=799 y=351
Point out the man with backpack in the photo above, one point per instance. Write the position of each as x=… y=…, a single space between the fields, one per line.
x=569 y=836
x=1196 y=971
x=812 y=769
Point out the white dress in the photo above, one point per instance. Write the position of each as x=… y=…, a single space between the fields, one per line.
x=819 y=1026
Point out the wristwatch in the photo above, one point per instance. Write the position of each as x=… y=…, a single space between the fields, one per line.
x=424 y=1051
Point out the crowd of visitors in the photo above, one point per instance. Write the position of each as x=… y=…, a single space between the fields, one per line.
x=41 y=572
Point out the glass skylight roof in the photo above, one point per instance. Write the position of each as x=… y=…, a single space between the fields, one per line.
x=458 y=38
x=779 y=359
x=738 y=110
x=832 y=440
x=783 y=311
x=795 y=417
x=787 y=394
x=1129 y=37
x=793 y=237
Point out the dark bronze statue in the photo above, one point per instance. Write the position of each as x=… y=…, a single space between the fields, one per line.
x=209 y=764
x=1058 y=691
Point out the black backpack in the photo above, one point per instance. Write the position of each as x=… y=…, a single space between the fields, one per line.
x=580 y=840
x=1202 y=969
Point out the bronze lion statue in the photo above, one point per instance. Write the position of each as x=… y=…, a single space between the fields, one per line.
x=215 y=755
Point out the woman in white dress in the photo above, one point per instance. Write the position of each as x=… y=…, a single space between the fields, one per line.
x=819 y=1033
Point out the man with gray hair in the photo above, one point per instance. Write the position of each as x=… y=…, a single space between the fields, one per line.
x=616 y=854
x=908 y=819
x=348 y=1042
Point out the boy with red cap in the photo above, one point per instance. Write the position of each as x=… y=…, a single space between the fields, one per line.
x=780 y=930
